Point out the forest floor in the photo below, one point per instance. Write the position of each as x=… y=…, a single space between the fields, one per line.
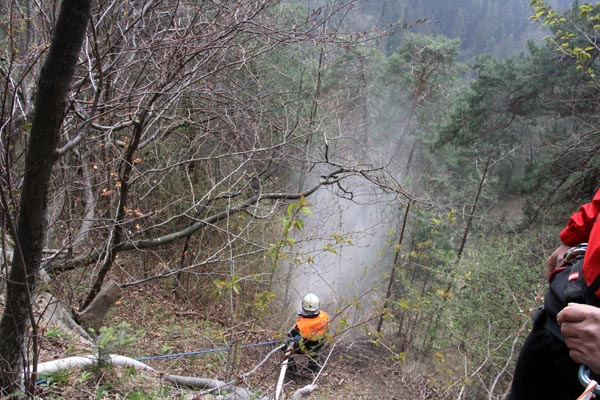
x=361 y=371
x=354 y=368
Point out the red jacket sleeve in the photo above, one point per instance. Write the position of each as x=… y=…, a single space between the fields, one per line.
x=581 y=223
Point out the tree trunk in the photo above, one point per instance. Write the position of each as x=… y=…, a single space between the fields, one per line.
x=55 y=79
x=93 y=315
x=463 y=242
x=388 y=293
x=116 y=235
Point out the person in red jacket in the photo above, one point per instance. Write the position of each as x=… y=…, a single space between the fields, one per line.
x=582 y=228
x=549 y=362
x=310 y=332
x=580 y=323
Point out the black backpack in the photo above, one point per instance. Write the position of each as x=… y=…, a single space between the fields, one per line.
x=567 y=285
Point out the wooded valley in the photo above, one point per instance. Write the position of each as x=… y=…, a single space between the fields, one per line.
x=175 y=176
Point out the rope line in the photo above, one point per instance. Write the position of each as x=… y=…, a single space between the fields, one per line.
x=216 y=350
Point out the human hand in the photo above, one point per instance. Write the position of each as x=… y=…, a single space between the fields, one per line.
x=580 y=325
x=555 y=258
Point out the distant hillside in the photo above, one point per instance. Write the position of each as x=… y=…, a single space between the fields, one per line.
x=500 y=28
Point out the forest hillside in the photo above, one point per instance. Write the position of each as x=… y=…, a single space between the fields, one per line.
x=175 y=177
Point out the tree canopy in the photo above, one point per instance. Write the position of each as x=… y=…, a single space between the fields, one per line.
x=221 y=153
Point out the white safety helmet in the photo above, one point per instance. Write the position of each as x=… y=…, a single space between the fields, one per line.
x=310 y=304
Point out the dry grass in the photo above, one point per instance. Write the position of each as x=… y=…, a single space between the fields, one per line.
x=172 y=326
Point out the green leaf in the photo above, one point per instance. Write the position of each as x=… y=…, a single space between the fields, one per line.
x=329 y=247
x=403 y=304
x=52 y=333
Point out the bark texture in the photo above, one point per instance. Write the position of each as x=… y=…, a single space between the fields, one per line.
x=93 y=315
x=53 y=86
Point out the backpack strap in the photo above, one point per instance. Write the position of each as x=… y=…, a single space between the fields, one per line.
x=542 y=318
x=567 y=285
x=590 y=294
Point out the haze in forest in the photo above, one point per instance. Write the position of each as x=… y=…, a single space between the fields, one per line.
x=499 y=28
x=483 y=27
x=193 y=169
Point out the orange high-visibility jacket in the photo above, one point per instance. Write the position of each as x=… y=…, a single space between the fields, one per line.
x=313 y=328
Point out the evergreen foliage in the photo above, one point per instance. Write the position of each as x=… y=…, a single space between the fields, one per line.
x=483 y=26
x=188 y=160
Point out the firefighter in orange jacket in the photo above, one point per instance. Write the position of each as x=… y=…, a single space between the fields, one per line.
x=310 y=331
